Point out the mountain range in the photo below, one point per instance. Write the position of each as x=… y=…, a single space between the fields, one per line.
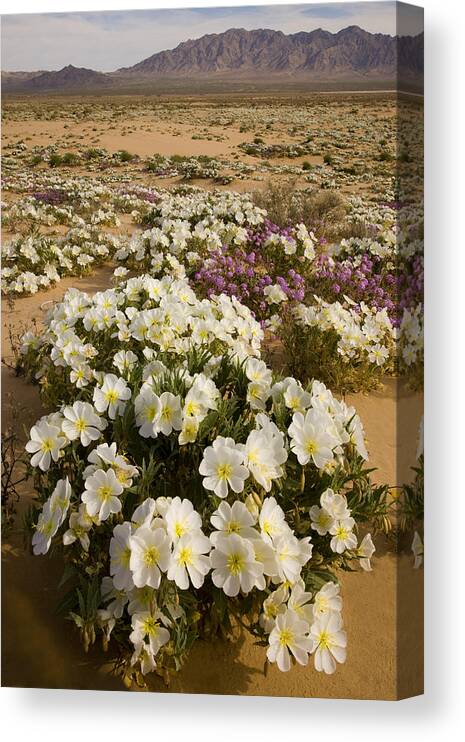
x=261 y=55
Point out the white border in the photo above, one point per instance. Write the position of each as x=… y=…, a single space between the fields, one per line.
x=83 y=715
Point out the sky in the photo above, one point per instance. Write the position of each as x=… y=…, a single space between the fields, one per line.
x=108 y=40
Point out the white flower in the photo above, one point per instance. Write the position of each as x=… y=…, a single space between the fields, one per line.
x=147 y=410
x=327 y=600
x=263 y=455
x=272 y=520
x=189 y=430
x=321 y=520
x=273 y=606
x=82 y=422
x=296 y=398
x=274 y=294
x=236 y=519
x=343 y=536
x=222 y=466
x=146 y=626
x=120 y=555
x=299 y=602
x=258 y=372
x=61 y=497
x=234 y=566
x=150 y=555
x=111 y=395
x=189 y=560
x=329 y=642
x=47 y=526
x=365 y=551
x=289 y=636
x=311 y=439
x=291 y=555
x=170 y=415
x=78 y=526
x=46 y=444
x=417 y=549
x=124 y=360
x=181 y=519
x=102 y=494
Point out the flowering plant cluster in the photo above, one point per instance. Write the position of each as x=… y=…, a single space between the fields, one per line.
x=351 y=346
x=37 y=261
x=186 y=487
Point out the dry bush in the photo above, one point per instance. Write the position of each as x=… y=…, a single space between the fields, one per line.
x=285 y=204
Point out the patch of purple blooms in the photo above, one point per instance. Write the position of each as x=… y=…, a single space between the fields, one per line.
x=52 y=196
x=245 y=275
x=370 y=282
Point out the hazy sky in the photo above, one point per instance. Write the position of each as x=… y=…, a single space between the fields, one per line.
x=108 y=40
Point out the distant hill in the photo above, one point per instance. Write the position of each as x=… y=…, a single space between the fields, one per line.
x=68 y=78
x=260 y=55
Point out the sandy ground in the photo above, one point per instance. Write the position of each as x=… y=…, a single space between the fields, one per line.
x=383 y=610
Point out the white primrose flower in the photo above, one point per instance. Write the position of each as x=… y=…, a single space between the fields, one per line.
x=311 y=438
x=365 y=551
x=47 y=526
x=170 y=415
x=146 y=626
x=291 y=555
x=120 y=555
x=46 y=444
x=189 y=560
x=147 y=410
x=273 y=606
x=79 y=525
x=272 y=520
x=222 y=467
x=289 y=636
x=343 y=536
x=321 y=520
x=112 y=395
x=82 y=422
x=327 y=600
x=329 y=642
x=150 y=556
x=102 y=494
x=236 y=519
x=189 y=430
x=264 y=453
x=299 y=602
x=124 y=360
x=61 y=497
x=234 y=566
x=296 y=398
x=181 y=519
x=257 y=371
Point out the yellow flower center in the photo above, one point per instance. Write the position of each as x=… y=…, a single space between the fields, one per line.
x=233 y=527
x=235 y=563
x=81 y=424
x=125 y=556
x=224 y=471
x=151 y=556
x=185 y=557
x=324 y=640
x=179 y=529
x=311 y=447
x=111 y=396
x=104 y=493
x=47 y=445
x=285 y=637
x=150 y=626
